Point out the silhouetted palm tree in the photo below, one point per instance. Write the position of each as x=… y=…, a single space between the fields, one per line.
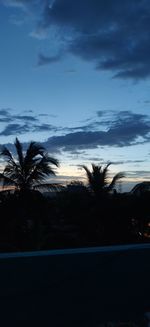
x=28 y=170
x=98 y=179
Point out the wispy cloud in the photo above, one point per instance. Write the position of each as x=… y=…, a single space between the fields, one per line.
x=46 y=60
x=25 y=118
x=16 y=3
x=121 y=162
x=45 y=128
x=15 y=129
x=16 y=124
x=138 y=174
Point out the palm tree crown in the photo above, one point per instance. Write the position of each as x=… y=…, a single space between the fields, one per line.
x=29 y=169
x=98 y=179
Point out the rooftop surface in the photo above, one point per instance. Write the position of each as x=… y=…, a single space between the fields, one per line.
x=75 y=287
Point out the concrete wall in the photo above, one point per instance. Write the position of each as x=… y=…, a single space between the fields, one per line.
x=80 y=287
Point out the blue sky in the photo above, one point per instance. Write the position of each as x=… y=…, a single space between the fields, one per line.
x=75 y=76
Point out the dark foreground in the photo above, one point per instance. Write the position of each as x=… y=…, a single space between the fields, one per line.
x=82 y=287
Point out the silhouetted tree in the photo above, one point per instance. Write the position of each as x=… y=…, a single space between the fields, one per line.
x=27 y=170
x=98 y=179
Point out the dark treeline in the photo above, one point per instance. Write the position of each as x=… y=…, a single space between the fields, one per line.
x=72 y=216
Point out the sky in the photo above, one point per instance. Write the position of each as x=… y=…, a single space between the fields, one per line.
x=75 y=76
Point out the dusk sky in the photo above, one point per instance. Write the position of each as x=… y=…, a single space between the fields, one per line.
x=75 y=76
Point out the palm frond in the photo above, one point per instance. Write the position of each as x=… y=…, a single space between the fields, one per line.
x=105 y=173
x=6 y=154
x=40 y=171
x=49 y=187
x=88 y=173
x=7 y=181
x=12 y=171
x=33 y=150
x=98 y=178
x=19 y=150
x=52 y=161
x=33 y=168
x=115 y=179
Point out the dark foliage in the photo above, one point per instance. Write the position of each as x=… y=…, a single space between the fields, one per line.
x=27 y=170
x=98 y=179
x=72 y=219
x=75 y=216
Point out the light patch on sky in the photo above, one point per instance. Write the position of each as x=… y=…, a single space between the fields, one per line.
x=75 y=77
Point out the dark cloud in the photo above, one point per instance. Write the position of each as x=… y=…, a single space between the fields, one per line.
x=127 y=161
x=128 y=127
x=30 y=111
x=70 y=71
x=124 y=129
x=116 y=129
x=6 y=119
x=139 y=174
x=46 y=60
x=25 y=118
x=112 y=34
x=5 y=112
x=119 y=162
x=15 y=129
x=6 y=115
x=47 y=115
x=93 y=159
x=16 y=124
x=45 y=128
x=76 y=140
x=77 y=153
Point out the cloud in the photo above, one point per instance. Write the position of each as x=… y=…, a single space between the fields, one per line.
x=25 y=118
x=93 y=159
x=6 y=119
x=15 y=3
x=127 y=161
x=21 y=124
x=26 y=5
x=144 y=174
x=123 y=129
x=70 y=71
x=6 y=115
x=5 y=112
x=46 y=60
x=111 y=34
x=111 y=128
x=15 y=129
x=47 y=115
x=45 y=128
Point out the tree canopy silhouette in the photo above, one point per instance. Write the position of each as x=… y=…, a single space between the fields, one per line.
x=27 y=170
x=98 y=179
